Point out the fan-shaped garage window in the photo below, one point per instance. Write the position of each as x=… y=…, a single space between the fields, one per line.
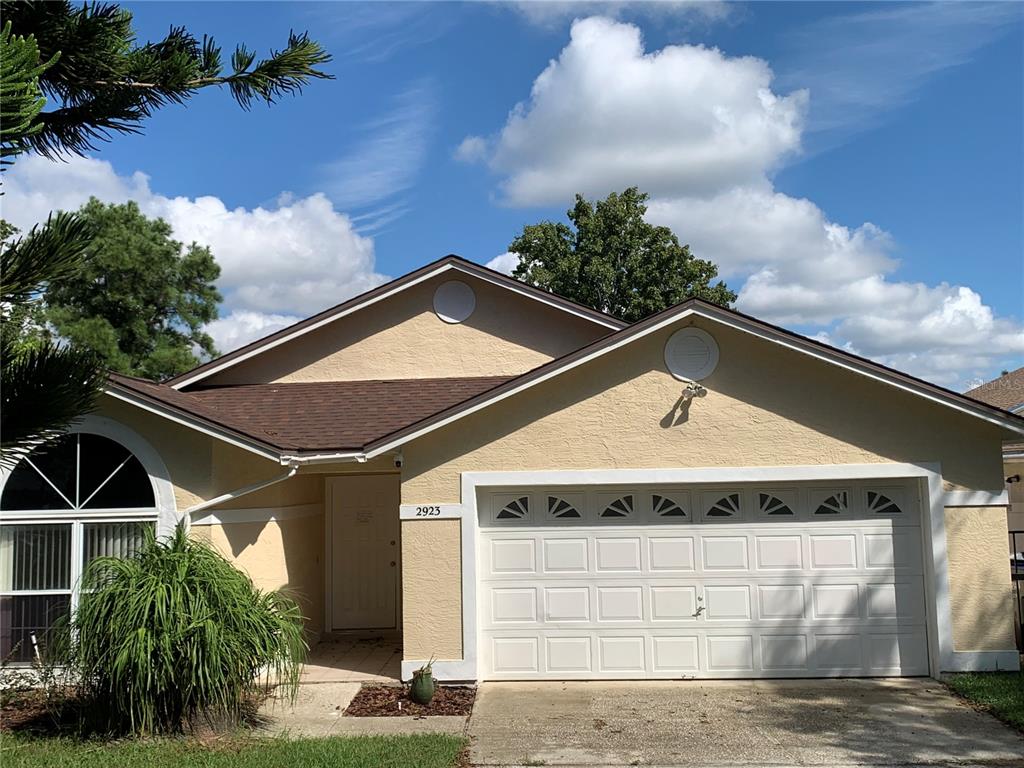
x=836 y=504
x=881 y=504
x=773 y=505
x=663 y=506
x=621 y=507
x=69 y=501
x=560 y=508
x=727 y=506
x=517 y=509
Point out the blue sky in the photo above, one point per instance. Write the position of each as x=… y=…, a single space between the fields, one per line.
x=856 y=169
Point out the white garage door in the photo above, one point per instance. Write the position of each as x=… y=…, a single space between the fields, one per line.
x=798 y=581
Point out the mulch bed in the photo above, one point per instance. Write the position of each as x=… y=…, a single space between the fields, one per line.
x=384 y=700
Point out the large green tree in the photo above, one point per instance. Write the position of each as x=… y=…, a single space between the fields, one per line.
x=141 y=300
x=70 y=77
x=613 y=260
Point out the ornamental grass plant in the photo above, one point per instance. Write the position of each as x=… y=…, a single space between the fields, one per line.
x=175 y=634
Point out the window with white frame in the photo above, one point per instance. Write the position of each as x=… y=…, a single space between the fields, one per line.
x=76 y=498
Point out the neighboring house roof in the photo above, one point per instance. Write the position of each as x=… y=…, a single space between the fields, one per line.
x=448 y=263
x=276 y=415
x=1005 y=392
x=316 y=416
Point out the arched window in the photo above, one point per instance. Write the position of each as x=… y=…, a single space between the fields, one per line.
x=78 y=497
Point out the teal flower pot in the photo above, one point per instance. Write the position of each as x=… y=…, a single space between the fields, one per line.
x=422 y=688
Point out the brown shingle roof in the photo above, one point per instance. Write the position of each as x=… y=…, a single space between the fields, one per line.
x=1006 y=392
x=316 y=416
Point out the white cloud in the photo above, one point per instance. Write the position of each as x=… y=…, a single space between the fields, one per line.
x=240 y=328
x=504 y=263
x=295 y=258
x=861 y=66
x=472 y=149
x=683 y=120
x=702 y=132
x=550 y=13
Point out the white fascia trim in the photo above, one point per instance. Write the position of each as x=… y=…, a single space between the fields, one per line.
x=983 y=661
x=975 y=498
x=1013 y=455
x=531 y=293
x=259 y=514
x=674 y=318
x=322 y=458
x=195 y=424
x=522 y=290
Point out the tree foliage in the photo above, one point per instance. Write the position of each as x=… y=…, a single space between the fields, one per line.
x=173 y=634
x=71 y=76
x=613 y=260
x=141 y=300
x=103 y=82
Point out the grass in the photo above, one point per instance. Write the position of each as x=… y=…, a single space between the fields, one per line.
x=1001 y=693
x=421 y=751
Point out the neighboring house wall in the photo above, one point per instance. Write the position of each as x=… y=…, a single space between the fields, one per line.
x=765 y=406
x=981 y=600
x=1015 y=491
x=401 y=337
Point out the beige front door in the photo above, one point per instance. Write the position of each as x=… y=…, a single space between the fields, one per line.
x=364 y=551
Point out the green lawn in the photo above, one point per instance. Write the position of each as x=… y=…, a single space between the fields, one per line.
x=426 y=751
x=1002 y=693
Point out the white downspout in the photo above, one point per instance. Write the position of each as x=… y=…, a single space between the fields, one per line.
x=245 y=490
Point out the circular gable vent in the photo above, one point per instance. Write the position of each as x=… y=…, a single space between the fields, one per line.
x=454 y=301
x=691 y=354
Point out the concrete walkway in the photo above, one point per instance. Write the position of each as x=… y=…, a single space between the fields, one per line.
x=318 y=708
x=748 y=723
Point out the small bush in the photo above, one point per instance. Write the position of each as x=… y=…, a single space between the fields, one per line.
x=175 y=633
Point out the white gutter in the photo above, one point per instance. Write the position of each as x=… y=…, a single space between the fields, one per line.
x=245 y=490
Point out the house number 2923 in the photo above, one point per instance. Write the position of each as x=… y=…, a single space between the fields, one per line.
x=428 y=511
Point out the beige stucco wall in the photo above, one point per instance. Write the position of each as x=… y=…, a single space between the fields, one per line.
x=980 y=597
x=765 y=405
x=286 y=555
x=401 y=337
x=431 y=589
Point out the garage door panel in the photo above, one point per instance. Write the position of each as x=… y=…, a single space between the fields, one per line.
x=675 y=654
x=636 y=594
x=622 y=654
x=727 y=602
x=673 y=603
x=671 y=553
x=566 y=604
x=779 y=552
x=724 y=553
x=617 y=554
x=566 y=555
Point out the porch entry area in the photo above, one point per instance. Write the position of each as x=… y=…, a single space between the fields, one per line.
x=363 y=549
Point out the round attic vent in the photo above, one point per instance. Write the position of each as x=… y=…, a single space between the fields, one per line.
x=691 y=354
x=454 y=301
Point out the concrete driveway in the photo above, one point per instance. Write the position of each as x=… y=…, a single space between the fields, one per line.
x=690 y=723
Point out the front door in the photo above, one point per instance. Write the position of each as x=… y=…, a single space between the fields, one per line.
x=364 y=551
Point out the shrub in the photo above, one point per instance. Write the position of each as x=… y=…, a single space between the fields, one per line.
x=175 y=633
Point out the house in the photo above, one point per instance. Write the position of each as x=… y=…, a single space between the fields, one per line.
x=526 y=488
x=1007 y=392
